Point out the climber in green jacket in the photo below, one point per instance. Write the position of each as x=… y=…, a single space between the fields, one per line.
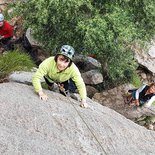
x=61 y=70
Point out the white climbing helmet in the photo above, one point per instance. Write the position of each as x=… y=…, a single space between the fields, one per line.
x=67 y=51
x=1 y=17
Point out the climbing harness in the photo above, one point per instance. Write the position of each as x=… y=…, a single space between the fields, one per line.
x=71 y=102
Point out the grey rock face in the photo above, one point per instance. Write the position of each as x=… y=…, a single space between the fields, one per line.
x=21 y=77
x=92 y=77
x=56 y=127
x=86 y=63
x=114 y=99
x=145 y=60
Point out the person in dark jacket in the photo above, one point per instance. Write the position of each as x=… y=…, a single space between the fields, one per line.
x=6 y=34
x=143 y=96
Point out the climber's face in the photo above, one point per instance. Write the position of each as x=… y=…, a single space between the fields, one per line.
x=62 y=62
x=152 y=89
x=1 y=23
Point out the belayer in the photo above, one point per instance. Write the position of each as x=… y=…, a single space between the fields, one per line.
x=143 y=96
x=6 y=34
x=60 y=69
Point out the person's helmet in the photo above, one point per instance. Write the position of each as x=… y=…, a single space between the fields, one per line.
x=1 y=17
x=67 y=51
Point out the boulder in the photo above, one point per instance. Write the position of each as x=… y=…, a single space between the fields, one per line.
x=92 y=77
x=91 y=91
x=22 y=77
x=31 y=39
x=29 y=125
x=146 y=60
x=86 y=63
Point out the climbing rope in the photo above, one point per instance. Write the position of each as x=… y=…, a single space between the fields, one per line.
x=71 y=102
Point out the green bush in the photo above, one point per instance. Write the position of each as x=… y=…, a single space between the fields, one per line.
x=105 y=28
x=14 y=61
x=54 y=22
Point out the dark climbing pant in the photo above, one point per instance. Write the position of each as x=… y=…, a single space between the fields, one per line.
x=7 y=44
x=69 y=86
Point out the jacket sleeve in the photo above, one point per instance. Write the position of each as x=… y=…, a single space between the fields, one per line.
x=149 y=103
x=76 y=77
x=139 y=90
x=9 y=31
x=40 y=73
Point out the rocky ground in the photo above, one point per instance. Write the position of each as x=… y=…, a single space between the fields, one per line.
x=114 y=99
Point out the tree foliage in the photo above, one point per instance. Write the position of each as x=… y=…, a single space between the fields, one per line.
x=53 y=21
x=105 y=28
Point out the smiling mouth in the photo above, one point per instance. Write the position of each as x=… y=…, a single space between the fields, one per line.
x=61 y=68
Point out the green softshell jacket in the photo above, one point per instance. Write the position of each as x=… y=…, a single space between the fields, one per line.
x=48 y=68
